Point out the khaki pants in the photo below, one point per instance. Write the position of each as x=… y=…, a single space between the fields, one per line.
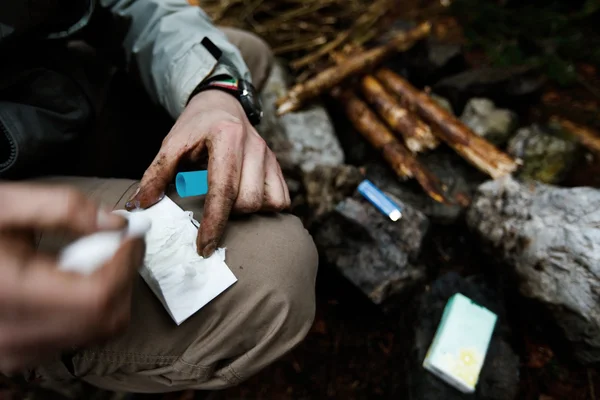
x=260 y=318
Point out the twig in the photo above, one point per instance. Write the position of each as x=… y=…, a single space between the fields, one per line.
x=588 y=137
x=329 y=47
x=355 y=64
x=299 y=45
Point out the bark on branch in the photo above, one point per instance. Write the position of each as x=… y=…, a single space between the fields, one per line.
x=473 y=148
x=416 y=134
x=402 y=161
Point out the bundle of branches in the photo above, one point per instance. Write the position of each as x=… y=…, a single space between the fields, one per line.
x=305 y=31
x=403 y=120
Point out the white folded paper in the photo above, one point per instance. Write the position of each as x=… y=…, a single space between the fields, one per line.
x=183 y=281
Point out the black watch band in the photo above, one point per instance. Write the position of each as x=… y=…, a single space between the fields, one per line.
x=230 y=83
x=241 y=89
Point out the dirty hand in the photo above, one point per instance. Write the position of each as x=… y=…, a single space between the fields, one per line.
x=43 y=310
x=243 y=173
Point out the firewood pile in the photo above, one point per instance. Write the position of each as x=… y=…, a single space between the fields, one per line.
x=330 y=48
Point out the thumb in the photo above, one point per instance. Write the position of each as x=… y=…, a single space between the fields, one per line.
x=154 y=182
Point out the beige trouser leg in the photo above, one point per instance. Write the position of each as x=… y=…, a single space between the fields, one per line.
x=261 y=317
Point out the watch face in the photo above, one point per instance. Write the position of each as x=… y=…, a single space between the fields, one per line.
x=251 y=102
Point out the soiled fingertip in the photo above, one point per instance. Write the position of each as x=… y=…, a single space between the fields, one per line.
x=209 y=249
x=206 y=247
x=143 y=200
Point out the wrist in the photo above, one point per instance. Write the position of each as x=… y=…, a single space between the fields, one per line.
x=215 y=99
x=241 y=90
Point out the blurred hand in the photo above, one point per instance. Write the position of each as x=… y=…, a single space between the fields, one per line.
x=44 y=310
x=243 y=173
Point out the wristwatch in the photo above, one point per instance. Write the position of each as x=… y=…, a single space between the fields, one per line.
x=231 y=82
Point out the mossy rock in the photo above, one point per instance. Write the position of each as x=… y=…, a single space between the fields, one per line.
x=547 y=157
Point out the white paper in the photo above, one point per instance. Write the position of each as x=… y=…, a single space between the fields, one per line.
x=182 y=280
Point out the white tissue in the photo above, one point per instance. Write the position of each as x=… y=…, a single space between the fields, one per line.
x=182 y=280
x=89 y=253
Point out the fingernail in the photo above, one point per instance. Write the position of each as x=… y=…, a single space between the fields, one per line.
x=131 y=203
x=209 y=249
x=109 y=221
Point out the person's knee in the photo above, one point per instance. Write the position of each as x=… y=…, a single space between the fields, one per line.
x=289 y=271
x=280 y=264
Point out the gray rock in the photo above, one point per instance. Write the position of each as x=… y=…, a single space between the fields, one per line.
x=326 y=186
x=549 y=236
x=499 y=378
x=546 y=158
x=374 y=253
x=302 y=139
x=494 y=124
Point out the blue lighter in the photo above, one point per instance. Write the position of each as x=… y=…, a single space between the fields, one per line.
x=380 y=200
x=192 y=183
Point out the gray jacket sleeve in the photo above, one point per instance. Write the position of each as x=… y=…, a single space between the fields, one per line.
x=162 y=45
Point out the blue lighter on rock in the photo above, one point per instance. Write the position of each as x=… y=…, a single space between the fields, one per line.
x=193 y=183
x=380 y=200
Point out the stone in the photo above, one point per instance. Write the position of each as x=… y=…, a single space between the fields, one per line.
x=493 y=124
x=377 y=255
x=512 y=87
x=451 y=169
x=301 y=139
x=326 y=186
x=548 y=237
x=546 y=158
x=499 y=378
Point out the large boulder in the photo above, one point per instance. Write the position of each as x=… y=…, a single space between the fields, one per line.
x=302 y=139
x=377 y=255
x=549 y=238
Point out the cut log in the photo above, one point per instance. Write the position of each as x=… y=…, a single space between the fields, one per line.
x=416 y=134
x=476 y=150
x=402 y=161
x=356 y=64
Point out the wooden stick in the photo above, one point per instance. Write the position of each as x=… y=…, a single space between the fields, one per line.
x=416 y=134
x=473 y=148
x=331 y=77
x=588 y=137
x=364 y=22
x=395 y=153
x=328 y=47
